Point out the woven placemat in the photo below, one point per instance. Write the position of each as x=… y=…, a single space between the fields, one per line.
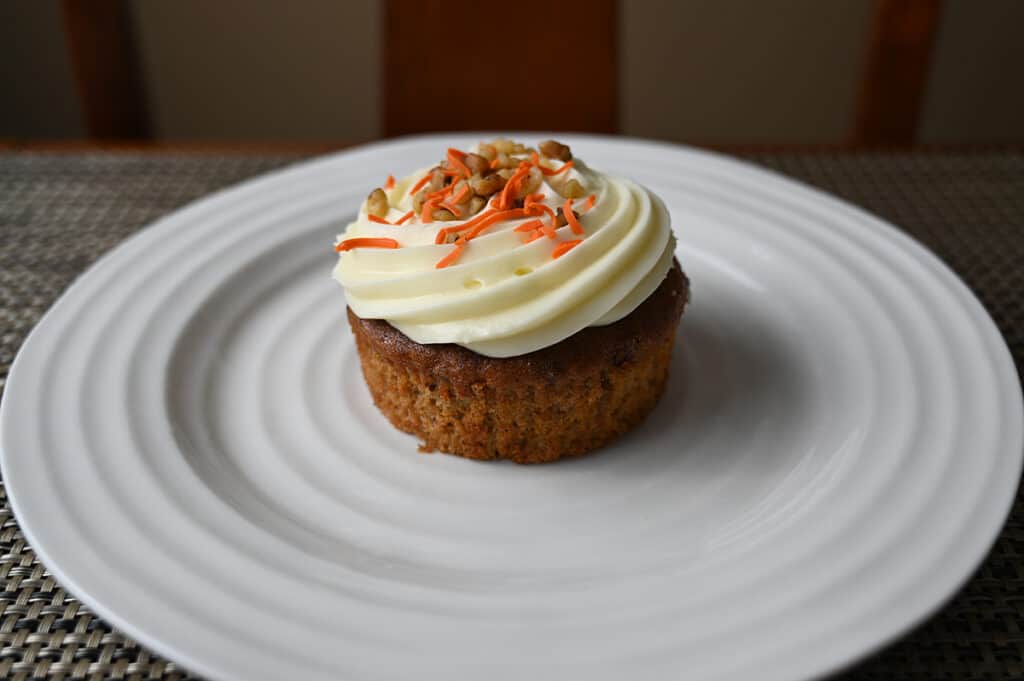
x=59 y=212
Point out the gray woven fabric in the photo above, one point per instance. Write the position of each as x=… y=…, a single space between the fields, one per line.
x=59 y=212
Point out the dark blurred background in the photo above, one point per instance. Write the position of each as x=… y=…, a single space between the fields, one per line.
x=713 y=72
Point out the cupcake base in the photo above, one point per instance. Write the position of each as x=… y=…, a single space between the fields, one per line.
x=563 y=400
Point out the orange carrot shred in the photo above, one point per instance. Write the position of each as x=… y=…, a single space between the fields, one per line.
x=366 y=242
x=390 y=183
x=419 y=185
x=405 y=217
x=495 y=163
x=591 y=200
x=442 y=234
x=374 y=218
x=494 y=218
x=456 y=162
x=456 y=211
x=461 y=194
x=459 y=154
x=452 y=256
x=564 y=247
x=549 y=229
x=470 y=224
x=513 y=184
x=479 y=223
x=426 y=215
x=549 y=172
x=529 y=226
x=532 y=199
x=444 y=191
x=506 y=191
x=570 y=217
x=533 y=236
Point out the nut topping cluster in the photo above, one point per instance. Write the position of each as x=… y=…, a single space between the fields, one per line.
x=489 y=171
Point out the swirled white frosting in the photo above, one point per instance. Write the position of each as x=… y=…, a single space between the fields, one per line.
x=504 y=297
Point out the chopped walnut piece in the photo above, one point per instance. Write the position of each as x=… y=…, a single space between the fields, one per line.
x=506 y=161
x=488 y=151
x=377 y=203
x=442 y=215
x=570 y=189
x=532 y=183
x=553 y=149
x=487 y=183
x=418 y=199
x=560 y=220
x=476 y=204
x=506 y=146
x=437 y=180
x=476 y=163
x=457 y=189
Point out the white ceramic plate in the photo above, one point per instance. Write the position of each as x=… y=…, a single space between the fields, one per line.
x=188 y=444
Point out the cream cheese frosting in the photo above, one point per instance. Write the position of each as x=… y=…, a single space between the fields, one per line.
x=504 y=297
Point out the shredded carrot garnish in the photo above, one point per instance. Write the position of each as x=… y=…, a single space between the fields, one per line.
x=478 y=224
x=374 y=218
x=549 y=229
x=451 y=172
x=512 y=185
x=495 y=163
x=549 y=172
x=419 y=185
x=456 y=211
x=534 y=158
x=366 y=242
x=390 y=182
x=444 y=191
x=452 y=256
x=532 y=199
x=591 y=200
x=564 y=247
x=426 y=215
x=529 y=226
x=494 y=218
x=442 y=234
x=455 y=161
x=405 y=217
x=461 y=194
x=533 y=237
x=459 y=154
x=470 y=224
x=570 y=217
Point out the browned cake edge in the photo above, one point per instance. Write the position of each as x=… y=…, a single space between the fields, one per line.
x=563 y=400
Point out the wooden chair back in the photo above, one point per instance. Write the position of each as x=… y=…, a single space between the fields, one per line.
x=459 y=65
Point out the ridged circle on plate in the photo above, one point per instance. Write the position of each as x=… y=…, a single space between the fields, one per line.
x=188 y=443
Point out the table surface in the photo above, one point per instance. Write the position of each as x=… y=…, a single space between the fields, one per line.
x=61 y=211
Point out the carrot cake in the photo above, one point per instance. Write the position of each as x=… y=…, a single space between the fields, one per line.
x=512 y=303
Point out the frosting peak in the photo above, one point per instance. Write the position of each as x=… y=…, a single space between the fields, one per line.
x=554 y=248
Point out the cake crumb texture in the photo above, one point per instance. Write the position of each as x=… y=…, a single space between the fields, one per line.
x=564 y=400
